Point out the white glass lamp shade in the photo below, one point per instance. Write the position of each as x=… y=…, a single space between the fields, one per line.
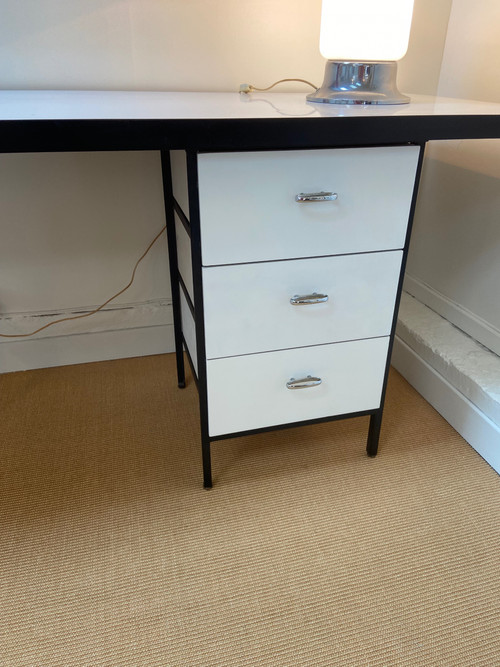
x=365 y=30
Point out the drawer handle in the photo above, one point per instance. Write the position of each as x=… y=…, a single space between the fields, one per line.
x=306 y=299
x=304 y=383
x=316 y=196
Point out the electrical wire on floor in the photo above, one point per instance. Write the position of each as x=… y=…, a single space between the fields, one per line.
x=96 y=310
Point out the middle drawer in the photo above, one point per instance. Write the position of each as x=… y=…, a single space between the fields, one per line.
x=248 y=309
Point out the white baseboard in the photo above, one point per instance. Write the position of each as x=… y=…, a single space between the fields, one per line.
x=472 y=424
x=128 y=330
x=461 y=317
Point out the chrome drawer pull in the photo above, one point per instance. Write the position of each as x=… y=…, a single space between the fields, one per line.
x=306 y=299
x=316 y=196
x=304 y=383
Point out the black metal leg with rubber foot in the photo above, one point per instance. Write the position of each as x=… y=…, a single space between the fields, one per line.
x=374 y=433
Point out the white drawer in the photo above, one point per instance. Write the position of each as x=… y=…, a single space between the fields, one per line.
x=250 y=392
x=247 y=306
x=249 y=213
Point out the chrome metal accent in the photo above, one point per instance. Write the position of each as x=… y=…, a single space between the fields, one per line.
x=303 y=383
x=306 y=299
x=359 y=83
x=316 y=196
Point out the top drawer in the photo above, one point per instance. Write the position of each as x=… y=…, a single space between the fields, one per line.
x=248 y=210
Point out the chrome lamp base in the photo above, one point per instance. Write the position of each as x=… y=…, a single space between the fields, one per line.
x=359 y=83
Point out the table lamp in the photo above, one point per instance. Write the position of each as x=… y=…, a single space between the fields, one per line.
x=362 y=40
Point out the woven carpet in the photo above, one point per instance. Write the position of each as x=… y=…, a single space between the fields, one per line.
x=306 y=551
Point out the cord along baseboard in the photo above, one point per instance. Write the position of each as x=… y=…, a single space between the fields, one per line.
x=122 y=330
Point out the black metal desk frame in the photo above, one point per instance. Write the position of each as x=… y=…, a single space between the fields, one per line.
x=242 y=134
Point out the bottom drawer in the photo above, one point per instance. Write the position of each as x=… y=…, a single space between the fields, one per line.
x=250 y=391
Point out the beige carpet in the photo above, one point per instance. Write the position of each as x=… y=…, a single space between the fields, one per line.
x=306 y=552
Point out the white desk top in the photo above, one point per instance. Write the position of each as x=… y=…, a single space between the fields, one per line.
x=19 y=105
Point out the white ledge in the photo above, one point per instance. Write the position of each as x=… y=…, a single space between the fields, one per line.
x=466 y=364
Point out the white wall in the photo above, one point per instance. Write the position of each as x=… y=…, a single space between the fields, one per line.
x=72 y=225
x=419 y=70
x=185 y=44
x=454 y=262
x=156 y=44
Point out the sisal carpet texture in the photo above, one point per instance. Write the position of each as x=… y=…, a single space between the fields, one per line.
x=306 y=552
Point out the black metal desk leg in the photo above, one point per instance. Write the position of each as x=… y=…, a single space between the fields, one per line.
x=207 y=462
x=173 y=265
x=179 y=355
x=374 y=433
x=176 y=307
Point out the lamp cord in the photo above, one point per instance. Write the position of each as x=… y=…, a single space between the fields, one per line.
x=244 y=88
x=249 y=88
x=96 y=310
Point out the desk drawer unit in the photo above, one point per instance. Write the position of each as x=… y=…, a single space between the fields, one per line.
x=286 y=272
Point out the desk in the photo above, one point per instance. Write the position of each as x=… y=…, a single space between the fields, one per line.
x=222 y=150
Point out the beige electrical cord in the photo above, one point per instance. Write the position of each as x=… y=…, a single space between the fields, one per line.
x=248 y=88
x=244 y=88
x=93 y=312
